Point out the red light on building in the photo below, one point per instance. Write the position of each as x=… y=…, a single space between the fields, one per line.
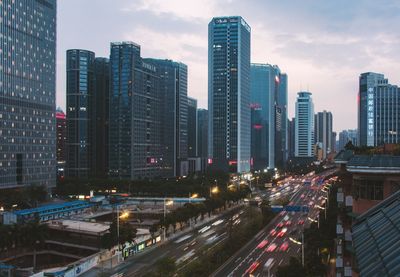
x=251 y=161
x=151 y=160
x=209 y=161
x=257 y=126
x=277 y=79
x=233 y=162
x=255 y=106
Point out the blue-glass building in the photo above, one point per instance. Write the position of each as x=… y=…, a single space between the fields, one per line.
x=100 y=117
x=268 y=116
x=379 y=111
x=134 y=125
x=27 y=93
x=174 y=115
x=229 y=93
x=80 y=93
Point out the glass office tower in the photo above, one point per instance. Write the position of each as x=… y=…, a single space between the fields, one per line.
x=268 y=116
x=304 y=126
x=134 y=128
x=378 y=110
x=192 y=127
x=27 y=93
x=80 y=90
x=174 y=120
x=229 y=93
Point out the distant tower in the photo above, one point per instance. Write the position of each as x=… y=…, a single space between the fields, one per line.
x=304 y=126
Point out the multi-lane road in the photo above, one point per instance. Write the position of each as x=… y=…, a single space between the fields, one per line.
x=280 y=239
x=185 y=248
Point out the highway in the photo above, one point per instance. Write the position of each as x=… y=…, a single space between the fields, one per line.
x=276 y=245
x=182 y=249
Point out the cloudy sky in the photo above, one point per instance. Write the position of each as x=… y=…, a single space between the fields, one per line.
x=323 y=46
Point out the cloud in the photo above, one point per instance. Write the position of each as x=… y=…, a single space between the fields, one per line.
x=322 y=45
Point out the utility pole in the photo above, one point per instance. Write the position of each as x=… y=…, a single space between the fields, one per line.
x=302 y=248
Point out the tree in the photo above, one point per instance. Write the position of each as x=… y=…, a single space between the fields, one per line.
x=166 y=267
x=293 y=269
x=33 y=235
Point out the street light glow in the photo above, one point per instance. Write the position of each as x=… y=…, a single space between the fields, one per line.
x=194 y=195
x=124 y=215
x=295 y=241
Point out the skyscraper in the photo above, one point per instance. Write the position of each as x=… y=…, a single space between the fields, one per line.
x=100 y=117
x=229 y=93
x=192 y=127
x=281 y=135
x=80 y=89
x=292 y=137
x=27 y=93
x=379 y=110
x=268 y=116
x=134 y=126
x=366 y=113
x=202 y=136
x=345 y=136
x=174 y=120
x=304 y=126
x=61 y=123
x=323 y=132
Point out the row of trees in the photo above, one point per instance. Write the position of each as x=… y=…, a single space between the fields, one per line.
x=30 y=236
x=127 y=233
x=26 y=197
x=191 y=211
x=157 y=187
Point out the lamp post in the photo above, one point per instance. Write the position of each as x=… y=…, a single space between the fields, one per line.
x=302 y=245
x=170 y=202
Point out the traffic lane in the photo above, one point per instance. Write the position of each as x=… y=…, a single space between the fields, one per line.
x=282 y=257
x=256 y=254
x=238 y=257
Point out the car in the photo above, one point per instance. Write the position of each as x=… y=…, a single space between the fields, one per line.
x=280 y=225
x=301 y=222
x=271 y=248
x=273 y=232
x=252 y=268
x=281 y=233
x=262 y=244
x=284 y=247
x=288 y=223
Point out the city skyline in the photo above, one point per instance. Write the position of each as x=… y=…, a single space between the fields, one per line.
x=319 y=39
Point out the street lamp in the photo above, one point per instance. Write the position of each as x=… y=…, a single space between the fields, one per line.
x=302 y=246
x=124 y=215
x=213 y=190
x=313 y=220
x=166 y=203
x=322 y=208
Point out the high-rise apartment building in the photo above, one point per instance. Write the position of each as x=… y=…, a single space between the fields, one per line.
x=268 y=116
x=379 y=110
x=229 y=93
x=134 y=124
x=323 y=132
x=174 y=115
x=304 y=126
x=27 y=93
x=80 y=90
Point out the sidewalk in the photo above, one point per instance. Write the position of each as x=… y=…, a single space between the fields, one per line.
x=111 y=266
